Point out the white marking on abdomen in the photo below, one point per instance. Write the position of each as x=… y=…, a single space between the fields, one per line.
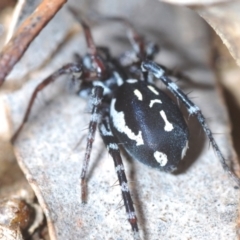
x=131 y=80
x=138 y=94
x=154 y=101
x=161 y=158
x=153 y=89
x=168 y=126
x=120 y=124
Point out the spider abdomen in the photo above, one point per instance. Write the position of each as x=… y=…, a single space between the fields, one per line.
x=149 y=125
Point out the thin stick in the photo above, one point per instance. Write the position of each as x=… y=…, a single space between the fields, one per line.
x=25 y=34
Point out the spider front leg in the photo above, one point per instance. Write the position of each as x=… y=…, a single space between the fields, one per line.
x=112 y=146
x=97 y=95
x=71 y=68
x=159 y=73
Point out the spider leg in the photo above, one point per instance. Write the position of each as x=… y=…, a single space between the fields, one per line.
x=112 y=146
x=178 y=74
x=135 y=39
x=74 y=69
x=97 y=95
x=159 y=73
x=97 y=62
x=87 y=33
x=140 y=48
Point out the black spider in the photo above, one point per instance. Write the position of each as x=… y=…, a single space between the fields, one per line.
x=129 y=109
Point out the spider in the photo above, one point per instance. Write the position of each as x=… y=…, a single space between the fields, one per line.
x=130 y=110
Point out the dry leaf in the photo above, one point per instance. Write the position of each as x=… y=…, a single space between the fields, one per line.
x=200 y=202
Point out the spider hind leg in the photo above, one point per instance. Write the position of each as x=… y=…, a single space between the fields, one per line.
x=71 y=68
x=113 y=149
